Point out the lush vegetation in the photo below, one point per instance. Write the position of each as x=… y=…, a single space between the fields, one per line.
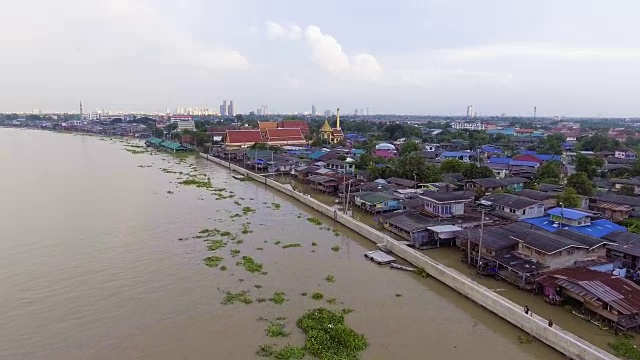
x=291 y=245
x=232 y=298
x=625 y=348
x=314 y=221
x=213 y=261
x=278 y=298
x=250 y=265
x=327 y=336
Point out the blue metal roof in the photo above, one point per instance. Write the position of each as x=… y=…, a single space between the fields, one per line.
x=567 y=213
x=545 y=157
x=316 y=154
x=455 y=154
x=357 y=151
x=491 y=149
x=508 y=131
x=598 y=228
x=524 y=163
x=527 y=152
x=500 y=160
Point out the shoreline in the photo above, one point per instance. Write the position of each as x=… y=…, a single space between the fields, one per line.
x=563 y=341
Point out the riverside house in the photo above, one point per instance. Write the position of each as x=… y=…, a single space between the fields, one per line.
x=376 y=202
x=516 y=206
x=421 y=231
x=445 y=204
x=561 y=248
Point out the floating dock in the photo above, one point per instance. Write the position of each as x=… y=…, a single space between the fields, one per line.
x=379 y=257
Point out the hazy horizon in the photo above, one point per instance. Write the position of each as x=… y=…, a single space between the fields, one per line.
x=410 y=57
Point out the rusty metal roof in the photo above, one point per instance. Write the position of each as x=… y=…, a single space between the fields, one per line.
x=621 y=294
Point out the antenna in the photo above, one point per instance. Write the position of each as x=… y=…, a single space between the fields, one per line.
x=535 y=109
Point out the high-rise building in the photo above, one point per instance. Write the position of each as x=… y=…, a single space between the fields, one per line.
x=355 y=112
x=367 y=111
x=230 y=110
x=223 y=108
x=470 y=112
x=314 y=112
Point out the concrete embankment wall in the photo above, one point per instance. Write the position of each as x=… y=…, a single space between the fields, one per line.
x=563 y=341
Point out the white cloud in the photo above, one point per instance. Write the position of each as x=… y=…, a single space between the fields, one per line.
x=436 y=77
x=277 y=31
x=328 y=54
x=538 y=51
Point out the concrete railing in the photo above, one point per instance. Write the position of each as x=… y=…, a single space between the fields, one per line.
x=561 y=340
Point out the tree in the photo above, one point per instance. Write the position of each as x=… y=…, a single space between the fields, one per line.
x=581 y=184
x=415 y=167
x=451 y=166
x=409 y=147
x=473 y=171
x=590 y=165
x=549 y=173
x=569 y=198
x=598 y=142
x=552 y=144
x=628 y=190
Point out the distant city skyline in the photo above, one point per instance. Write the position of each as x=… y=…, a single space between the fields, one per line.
x=500 y=56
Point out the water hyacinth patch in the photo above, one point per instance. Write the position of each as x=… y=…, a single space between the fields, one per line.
x=212 y=261
x=328 y=337
x=278 y=298
x=250 y=265
x=277 y=330
x=314 y=221
x=232 y=298
x=291 y=245
x=213 y=245
x=317 y=295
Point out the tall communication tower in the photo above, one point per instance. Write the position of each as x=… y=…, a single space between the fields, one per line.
x=535 y=109
x=80 y=110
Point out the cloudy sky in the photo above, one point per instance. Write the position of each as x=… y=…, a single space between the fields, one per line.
x=570 y=57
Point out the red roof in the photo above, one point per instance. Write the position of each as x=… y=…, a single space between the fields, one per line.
x=336 y=132
x=531 y=158
x=242 y=137
x=524 y=130
x=299 y=124
x=284 y=135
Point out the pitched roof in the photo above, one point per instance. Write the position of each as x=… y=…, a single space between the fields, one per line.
x=623 y=295
x=401 y=182
x=535 y=195
x=529 y=158
x=499 y=160
x=549 y=187
x=568 y=213
x=243 y=136
x=298 y=124
x=545 y=241
x=625 y=242
x=263 y=125
x=448 y=196
x=511 y=201
x=492 y=183
x=284 y=135
x=634 y=182
x=408 y=221
x=336 y=132
x=619 y=199
x=494 y=238
x=374 y=197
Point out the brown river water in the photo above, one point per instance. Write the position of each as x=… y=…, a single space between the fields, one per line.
x=93 y=268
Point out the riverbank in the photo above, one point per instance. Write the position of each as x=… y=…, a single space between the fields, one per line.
x=561 y=340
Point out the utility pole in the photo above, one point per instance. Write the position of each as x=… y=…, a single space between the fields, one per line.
x=480 y=245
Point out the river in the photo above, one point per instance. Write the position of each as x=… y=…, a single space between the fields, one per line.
x=99 y=262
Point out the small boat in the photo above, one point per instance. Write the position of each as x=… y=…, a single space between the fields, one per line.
x=402 y=267
x=379 y=257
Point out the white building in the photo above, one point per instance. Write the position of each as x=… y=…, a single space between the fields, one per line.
x=470 y=112
x=462 y=125
x=184 y=122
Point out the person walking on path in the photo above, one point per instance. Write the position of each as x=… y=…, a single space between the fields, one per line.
x=550 y=323
x=526 y=309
